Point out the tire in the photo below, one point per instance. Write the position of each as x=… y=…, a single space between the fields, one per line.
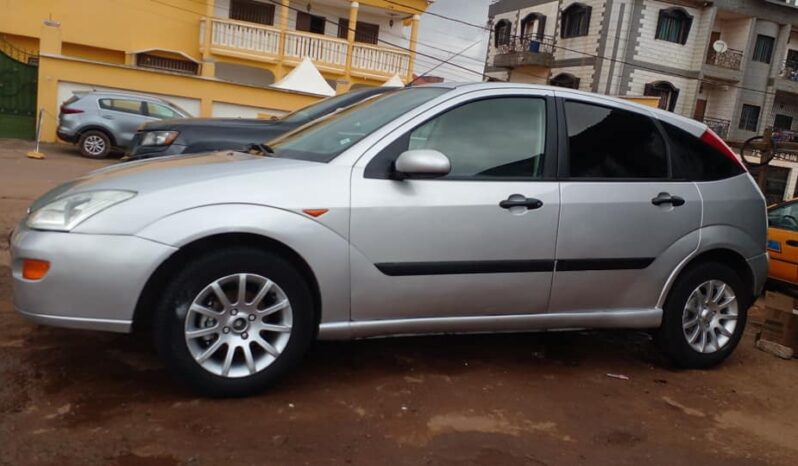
x=94 y=144
x=177 y=314
x=679 y=323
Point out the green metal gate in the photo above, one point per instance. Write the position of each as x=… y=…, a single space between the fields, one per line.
x=18 y=76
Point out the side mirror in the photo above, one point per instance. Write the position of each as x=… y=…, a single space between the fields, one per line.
x=422 y=163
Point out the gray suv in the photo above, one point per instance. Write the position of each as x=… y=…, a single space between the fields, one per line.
x=100 y=121
x=435 y=209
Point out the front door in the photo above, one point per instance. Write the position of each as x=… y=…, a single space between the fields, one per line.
x=625 y=223
x=124 y=117
x=450 y=246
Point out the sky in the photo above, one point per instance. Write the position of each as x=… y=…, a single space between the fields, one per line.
x=438 y=33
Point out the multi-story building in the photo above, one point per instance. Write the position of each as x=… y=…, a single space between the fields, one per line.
x=730 y=63
x=213 y=57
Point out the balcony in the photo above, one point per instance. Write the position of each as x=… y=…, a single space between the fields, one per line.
x=262 y=43
x=724 y=65
x=526 y=51
x=718 y=125
x=788 y=78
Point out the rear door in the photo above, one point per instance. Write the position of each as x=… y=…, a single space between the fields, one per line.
x=124 y=116
x=625 y=222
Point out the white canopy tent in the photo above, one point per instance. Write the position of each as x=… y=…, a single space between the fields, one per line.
x=395 y=81
x=305 y=78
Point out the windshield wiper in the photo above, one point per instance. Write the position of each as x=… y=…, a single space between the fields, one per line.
x=261 y=147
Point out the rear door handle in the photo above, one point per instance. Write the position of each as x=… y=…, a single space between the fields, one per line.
x=529 y=202
x=665 y=198
x=792 y=242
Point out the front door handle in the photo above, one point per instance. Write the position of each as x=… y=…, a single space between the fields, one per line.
x=529 y=202
x=665 y=198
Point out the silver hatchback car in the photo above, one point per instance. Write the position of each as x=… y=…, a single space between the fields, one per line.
x=100 y=121
x=435 y=209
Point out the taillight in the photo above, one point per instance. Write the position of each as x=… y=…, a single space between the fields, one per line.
x=67 y=110
x=712 y=139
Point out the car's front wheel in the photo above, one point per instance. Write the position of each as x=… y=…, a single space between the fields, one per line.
x=704 y=316
x=233 y=322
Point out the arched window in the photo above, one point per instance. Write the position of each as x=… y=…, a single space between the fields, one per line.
x=565 y=80
x=533 y=26
x=501 y=33
x=666 y=91
x=575 y=20
x=673 y=25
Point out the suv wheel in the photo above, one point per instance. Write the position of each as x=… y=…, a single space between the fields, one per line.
x=94 y=144
x=232 y=322
x=704 y=316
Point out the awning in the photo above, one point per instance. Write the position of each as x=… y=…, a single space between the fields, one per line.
x=305 y=78
x=395 y=81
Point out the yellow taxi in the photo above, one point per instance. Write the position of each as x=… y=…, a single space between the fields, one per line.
x=783 y=242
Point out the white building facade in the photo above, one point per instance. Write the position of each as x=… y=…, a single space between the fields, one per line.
x=730 y=63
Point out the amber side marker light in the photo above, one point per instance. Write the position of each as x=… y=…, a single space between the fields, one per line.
x=315 y=212
x=34 y=269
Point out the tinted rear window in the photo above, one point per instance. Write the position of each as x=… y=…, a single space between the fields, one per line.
x=696 y=161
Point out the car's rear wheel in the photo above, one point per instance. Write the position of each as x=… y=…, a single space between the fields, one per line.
x=94 y=144
x=233 y=322
x=704 y=316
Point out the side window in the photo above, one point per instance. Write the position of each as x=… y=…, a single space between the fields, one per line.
x=160 y=111
x=606 y=142
x=123 y=105
x=696 y=161
x=491 y=138
x=784 y=217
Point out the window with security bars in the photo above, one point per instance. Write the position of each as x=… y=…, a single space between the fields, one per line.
x=252 y=11
x=749 y=117
x=146 y=60
x=575 y=21
x=366 y=33
x=673 y=25
x=763 y=49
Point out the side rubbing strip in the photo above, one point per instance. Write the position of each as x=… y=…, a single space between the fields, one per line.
x=398 y=269
x=632 y=263
x=402 y=269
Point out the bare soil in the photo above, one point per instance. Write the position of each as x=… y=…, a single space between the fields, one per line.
x=73 y=397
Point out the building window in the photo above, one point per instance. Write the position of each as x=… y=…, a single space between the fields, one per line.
x=749 y=117
x=364 y=32
x=565 y=80
x=575 y=20
x=763 y=49
x=533 y=26
x=310 y=23
x=175 y=65
x=252 y=11
x=666 y=91
x=782 y=122
x=502 y=33
x=673 y=25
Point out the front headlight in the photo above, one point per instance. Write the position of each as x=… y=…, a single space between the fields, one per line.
x=159 y=138
x=68 y=212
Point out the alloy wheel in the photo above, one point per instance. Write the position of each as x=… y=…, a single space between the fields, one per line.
x=238 y=325
x=94 y=145
x=710 y=316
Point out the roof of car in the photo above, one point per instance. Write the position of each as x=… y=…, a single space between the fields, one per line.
x=122 y=94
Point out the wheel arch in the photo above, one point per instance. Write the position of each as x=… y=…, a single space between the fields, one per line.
x=722 y=255
x=145 y=306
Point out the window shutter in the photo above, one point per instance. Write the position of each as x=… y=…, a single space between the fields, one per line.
x=649 y=90
x=541 y=26
x=674 y=97
x=688 y=23
x=343 y=28
x=576 y=83
x=586 y=24
x=302 y=21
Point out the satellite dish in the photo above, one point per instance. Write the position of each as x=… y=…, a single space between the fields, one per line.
x=720 y=46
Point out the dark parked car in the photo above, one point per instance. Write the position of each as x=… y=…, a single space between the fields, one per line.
x=191 y=135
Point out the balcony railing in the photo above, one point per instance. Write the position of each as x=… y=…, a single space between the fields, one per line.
x=525 y=50
x=789 y=70
x=730 y=59
x=229 y=36
x=718 y=125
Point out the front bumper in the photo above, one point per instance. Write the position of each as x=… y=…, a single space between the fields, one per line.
x=138 y=152
x=94 y=281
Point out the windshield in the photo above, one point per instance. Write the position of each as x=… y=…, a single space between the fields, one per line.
x=324 y=139
x=313 y=111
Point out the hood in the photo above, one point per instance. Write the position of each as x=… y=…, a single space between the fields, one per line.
x=153 y=175
x=203 y=122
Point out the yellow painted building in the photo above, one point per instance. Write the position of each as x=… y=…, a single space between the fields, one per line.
x=213 y=57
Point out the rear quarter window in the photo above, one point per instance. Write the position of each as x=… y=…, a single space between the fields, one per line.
x=694 y=160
